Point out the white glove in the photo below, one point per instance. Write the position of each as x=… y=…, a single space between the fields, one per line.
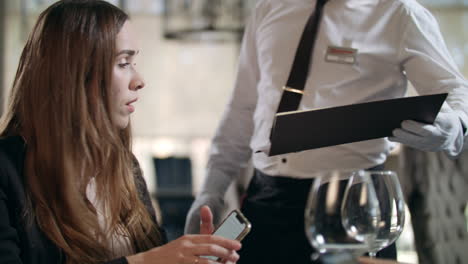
x=216 y=204
x=446 y=134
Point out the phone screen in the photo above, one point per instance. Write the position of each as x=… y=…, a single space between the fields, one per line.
x=235 y=227
x=232 y=227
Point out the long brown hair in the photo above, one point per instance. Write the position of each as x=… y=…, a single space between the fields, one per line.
x=60 y=105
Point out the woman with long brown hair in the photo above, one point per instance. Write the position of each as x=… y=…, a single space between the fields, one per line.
x=71 y=190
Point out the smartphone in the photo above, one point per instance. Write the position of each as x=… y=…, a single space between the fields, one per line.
x=235 y=226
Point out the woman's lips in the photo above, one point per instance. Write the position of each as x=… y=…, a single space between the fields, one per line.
x=130 y=107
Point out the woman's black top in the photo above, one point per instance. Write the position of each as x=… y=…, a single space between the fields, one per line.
x=25 y=243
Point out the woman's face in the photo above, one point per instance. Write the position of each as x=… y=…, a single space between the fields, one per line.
x=126 y=81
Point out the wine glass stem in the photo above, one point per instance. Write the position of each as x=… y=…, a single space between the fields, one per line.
x=372 y=254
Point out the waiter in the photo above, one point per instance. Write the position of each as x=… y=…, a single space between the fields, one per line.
x=351 y=51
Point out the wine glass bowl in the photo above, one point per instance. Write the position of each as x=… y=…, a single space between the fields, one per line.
x=323 y=213
x=391 y=210
x=360 y=210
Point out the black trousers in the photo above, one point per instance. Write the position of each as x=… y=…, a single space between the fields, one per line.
x=275 y=207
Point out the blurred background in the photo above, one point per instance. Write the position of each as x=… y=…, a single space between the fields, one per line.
x=189 y=51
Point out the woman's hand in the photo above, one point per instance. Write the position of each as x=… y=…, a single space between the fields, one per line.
x=188 y=249
x=206 y=225
x=206 y=221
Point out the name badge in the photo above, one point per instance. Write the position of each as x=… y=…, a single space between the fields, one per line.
x=341 y=55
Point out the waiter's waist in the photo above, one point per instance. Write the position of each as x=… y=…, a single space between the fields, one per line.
x=278 y=190
x=364 y=154
x=281 y=190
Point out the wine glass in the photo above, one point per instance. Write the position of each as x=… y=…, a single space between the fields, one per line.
x=391 y=209
x=323 y=221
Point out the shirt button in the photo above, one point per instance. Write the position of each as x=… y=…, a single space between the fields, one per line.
x=284 y=160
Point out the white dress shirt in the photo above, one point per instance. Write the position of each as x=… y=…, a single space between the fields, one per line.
x=396 y=41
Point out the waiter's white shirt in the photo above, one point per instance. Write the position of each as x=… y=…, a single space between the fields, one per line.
x=397 y=40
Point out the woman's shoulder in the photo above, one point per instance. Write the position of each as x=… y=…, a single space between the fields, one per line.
x=11 y=159
x=12 y=145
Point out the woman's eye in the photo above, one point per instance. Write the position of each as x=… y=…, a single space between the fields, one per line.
x=124 y=65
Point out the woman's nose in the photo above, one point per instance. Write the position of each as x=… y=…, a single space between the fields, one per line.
x=138 y=82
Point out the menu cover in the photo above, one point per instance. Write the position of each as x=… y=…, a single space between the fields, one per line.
x=310 y=129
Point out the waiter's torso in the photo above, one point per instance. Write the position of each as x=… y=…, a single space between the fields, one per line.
x=373 y=28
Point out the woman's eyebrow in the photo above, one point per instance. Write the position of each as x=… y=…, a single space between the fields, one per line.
x=128 y=52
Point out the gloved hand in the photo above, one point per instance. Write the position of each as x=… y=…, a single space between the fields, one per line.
x=216 y=204
x=446 y=134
